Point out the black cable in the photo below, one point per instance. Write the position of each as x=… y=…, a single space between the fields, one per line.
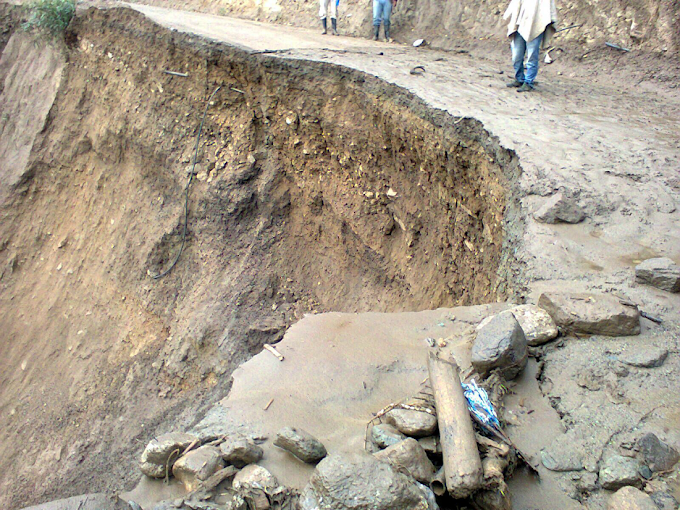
x=186 y=198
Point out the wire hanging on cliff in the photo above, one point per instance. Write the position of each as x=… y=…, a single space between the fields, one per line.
x=186 y=198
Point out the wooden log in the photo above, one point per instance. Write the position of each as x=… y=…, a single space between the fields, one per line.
x=462 y=464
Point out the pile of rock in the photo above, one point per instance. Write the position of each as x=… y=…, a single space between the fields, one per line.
x=202 y=466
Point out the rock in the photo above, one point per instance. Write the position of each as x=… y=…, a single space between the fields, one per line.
x=500 y=343
x=256 y=476
x=408 y=454
x=664 y=501
x=630 y=498
x=560 y=209
x=96 y=501
x=197 y=466
x=645 y=472
x=385 y=435
x=536 y=323
x=657 y=454
x=645 y=357
x=411 y=422
x=240 y=452
x=661 y=273
x=587 y=482
x=301 y=444
x=429 y=496
x=565 y=460
x=156 y=454
x=431 y=445
x=618 y=471
x=591 y=313
x=360 y=482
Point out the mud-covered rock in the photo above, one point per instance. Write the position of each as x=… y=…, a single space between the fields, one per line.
x=501 y=344
x=661 y=273
x=536 y=323
x=301 y=444
x=664 y=501
x=254 y=475
x=154 y=459
x=429 y=496
x=411 y=422
x=560 y=208
x=630 y=498
x=591 y=313
x=360 y=482
x=240 y=452
x=657 y=454
x=431 y=445
x=385 y=435
x=562 y=460
x=618 y=471
x=645 y=356
x=197 y=466
x=409 y=455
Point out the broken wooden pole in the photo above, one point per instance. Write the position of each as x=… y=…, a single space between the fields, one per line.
x=438 y=483
x=462 y=465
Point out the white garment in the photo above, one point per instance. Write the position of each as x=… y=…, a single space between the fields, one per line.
x=333 y=8
x=531 y=18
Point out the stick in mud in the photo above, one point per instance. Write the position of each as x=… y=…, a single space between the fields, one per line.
x=462 y=464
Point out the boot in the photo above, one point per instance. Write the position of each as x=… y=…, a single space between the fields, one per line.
x=334 y=24
x=387 y=33
x=376 y=33
x=324 y=25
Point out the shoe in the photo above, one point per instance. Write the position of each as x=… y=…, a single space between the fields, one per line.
x=387 y=34
x=525 y=88
x=376 y=33
x=324 y=25
x=334 y=24
x=514 y=84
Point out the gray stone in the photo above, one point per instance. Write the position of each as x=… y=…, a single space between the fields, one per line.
x=664 y=501
x=591 y=313
x=197 y=466
x=536 y=323
x=500 y=343
x=618 y=471
x=408 y=454
x=384 y=435
x=630 y=498
x=645 y=357
x=645 y=472
x=657 y=454
x=661 y=273
x=361 y=482
x=240 y=452
x=301 y=444
x=560 y=209
x=565 y=460
x=411 y=422
x=431 y=445
x=587 y=481
x=254 y=476
x=157 y=453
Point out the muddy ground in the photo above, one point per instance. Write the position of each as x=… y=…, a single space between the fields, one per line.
x=290 y=213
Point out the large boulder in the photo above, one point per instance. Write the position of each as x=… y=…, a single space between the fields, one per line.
x=301 y=444
x=657 y=454
x=197 y=466
x=560 y=208
x=162 y=452
x=630 y=498
x=412 y=422
x=501 y=344
x=591 y=313
x=360 y=482
x=661 y=273
x=536 y=323
x=618 y=471
x=409 y=455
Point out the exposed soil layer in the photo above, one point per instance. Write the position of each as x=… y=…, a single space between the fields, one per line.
x=317 y=188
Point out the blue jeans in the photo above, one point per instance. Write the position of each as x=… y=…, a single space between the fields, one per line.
x=382 y=10
x=519 y=47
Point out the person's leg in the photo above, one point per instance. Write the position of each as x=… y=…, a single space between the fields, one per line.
x=322 y=15
x=533 y=50
x=518 y=46
x=377 y=18
x=387 y=14
x=334 y=15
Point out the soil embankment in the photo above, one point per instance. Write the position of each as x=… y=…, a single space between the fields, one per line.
x=316 y=188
